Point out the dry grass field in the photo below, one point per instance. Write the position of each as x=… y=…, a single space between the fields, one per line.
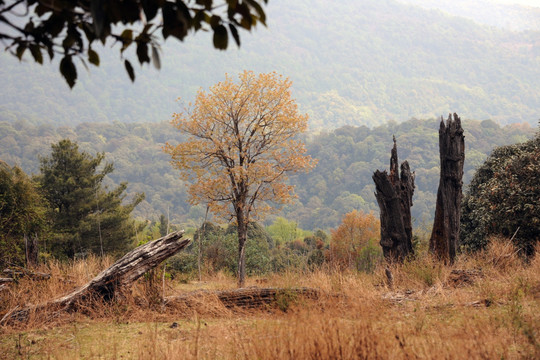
x=489 y=311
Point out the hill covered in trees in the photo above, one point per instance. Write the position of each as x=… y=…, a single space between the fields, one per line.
x=356 y=63
x=340 y=182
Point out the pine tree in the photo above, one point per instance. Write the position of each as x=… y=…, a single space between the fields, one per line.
x=86 y=217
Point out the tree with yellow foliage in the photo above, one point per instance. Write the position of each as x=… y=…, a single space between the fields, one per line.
x=355 y=233
x=242 y=143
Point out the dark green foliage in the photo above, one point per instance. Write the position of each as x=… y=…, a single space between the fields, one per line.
x=22 y=213
x=69 y=28
x=163 y=225
x=504 y=196
x=85 y=216
x=220 y=251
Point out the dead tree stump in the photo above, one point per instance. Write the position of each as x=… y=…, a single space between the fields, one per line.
x=394 y=195
x=445 y=234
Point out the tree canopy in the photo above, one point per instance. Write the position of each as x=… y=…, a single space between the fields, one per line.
x=242 y=144
x=70 y=28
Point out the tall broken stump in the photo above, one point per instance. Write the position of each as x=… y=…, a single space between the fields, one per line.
x=445 y=234
x=394 y=193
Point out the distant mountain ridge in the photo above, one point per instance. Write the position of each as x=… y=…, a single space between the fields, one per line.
x=351 y=63
x=524 y=15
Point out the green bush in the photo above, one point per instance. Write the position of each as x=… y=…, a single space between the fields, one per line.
x=503 y=198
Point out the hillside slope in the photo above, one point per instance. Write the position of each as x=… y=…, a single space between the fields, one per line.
x=355 y=63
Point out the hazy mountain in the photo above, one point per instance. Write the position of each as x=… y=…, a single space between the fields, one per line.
x=351 y=62
x=514 y=15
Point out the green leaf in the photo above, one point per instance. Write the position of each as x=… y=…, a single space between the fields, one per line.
x=221 y=37
x=68 y=70
x=129 y=70
x=127 y=34
x=155 y=57
x=96 y=8
x=20 y=50
x=142 y=52
x=175 y=21
x=93 y=57
x=259 y=9
x=36 y=53
x=234 y=33
x=150 y=8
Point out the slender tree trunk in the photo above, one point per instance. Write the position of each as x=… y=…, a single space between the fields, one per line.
x=31 y=250
x=242 y=237
x=445 y=234
x=394 y=196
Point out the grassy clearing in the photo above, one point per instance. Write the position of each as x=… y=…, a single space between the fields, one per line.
x=427 y=314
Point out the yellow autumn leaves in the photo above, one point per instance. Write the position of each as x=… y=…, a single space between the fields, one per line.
x=242 y=143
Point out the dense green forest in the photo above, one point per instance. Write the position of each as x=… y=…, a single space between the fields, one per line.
x=340 y=182
x=356 y=63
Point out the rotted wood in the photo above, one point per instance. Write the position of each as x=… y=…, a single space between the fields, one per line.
x=251 y=297
x=394 y=193
x=445 y=234
x=22 y=272
x=111 y=282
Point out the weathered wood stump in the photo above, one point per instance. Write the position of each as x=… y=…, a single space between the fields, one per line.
x=445 y=234
x=394 y=195
x=112 y=281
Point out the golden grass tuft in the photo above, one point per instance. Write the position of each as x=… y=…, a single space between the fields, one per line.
x=494 y=315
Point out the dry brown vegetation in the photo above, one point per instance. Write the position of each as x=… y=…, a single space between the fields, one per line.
x=490 y=309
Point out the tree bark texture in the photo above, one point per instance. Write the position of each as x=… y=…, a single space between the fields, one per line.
x=112 y=281
x=445 y=234
x=394 y=195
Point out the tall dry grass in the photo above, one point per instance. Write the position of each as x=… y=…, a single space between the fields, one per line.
x=425 y=315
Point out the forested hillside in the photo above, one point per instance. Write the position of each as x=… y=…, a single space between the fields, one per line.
x=356 y=63
x=340 y=182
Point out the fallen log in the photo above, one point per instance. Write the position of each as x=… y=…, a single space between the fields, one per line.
x=21 y=272
x=113 y=281
x=6 y=280
x=251 y=297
